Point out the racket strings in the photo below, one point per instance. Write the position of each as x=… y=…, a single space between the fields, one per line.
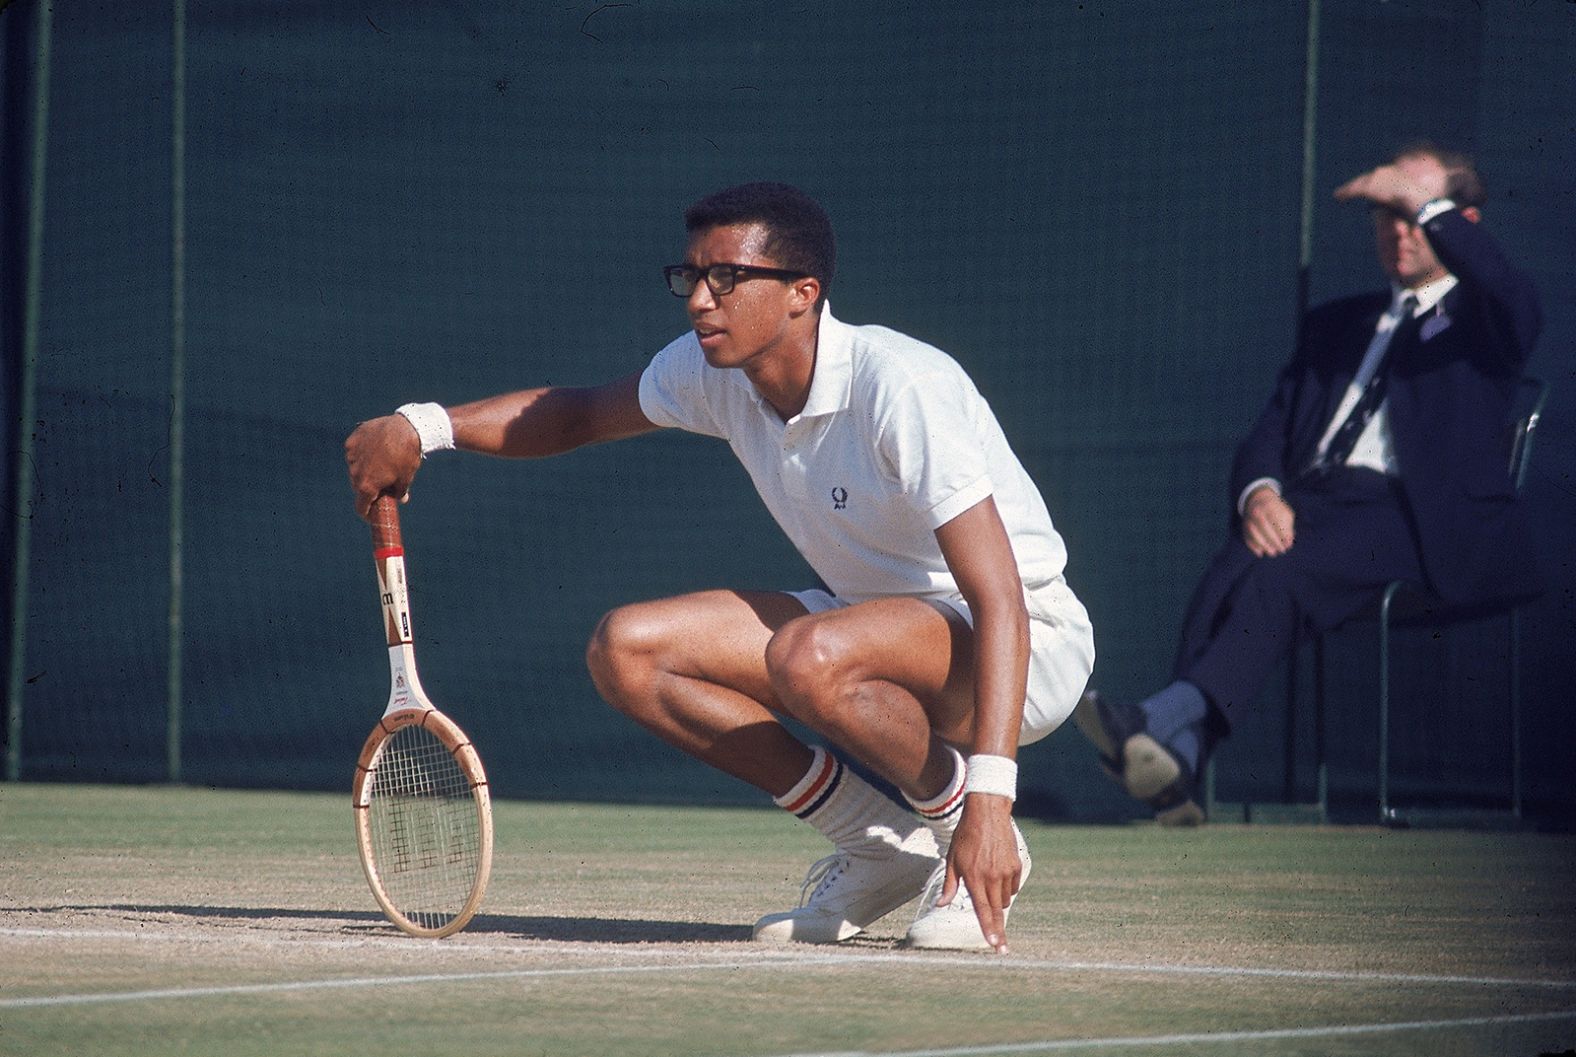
x=425 y=831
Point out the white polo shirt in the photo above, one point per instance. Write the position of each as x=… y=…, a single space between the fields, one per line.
x=893 y=442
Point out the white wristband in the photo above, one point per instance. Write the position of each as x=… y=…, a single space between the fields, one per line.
x=432 y=425
x=992 y=774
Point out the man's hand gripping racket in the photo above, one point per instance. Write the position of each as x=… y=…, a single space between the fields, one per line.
x=423 y=815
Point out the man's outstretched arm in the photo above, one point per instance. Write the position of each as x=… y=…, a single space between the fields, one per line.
x=383 y=454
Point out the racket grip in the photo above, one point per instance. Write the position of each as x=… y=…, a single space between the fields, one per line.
x=385 y=524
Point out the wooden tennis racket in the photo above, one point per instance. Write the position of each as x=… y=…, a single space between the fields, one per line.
x=423 y=814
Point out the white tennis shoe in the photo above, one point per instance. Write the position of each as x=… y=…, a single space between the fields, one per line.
x=955 y=927
x=853 y=887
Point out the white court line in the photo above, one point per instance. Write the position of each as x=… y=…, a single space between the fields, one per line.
x=1044 y=1046
x=383 y=981
x=759 y=960
x=1271 y=1035
x=769 y=956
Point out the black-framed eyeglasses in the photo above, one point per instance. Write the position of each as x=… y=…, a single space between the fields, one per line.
x=720 y=278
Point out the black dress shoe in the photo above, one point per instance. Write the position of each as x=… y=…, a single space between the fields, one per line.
x=1108 y=725
x=1148 y=770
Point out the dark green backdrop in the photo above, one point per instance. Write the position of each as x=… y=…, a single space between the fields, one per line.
x=1096 y=207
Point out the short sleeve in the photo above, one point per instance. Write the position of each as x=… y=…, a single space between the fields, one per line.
x=932 y=446
x=673 y=389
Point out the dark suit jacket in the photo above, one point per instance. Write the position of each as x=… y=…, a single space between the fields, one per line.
x=1451 y=385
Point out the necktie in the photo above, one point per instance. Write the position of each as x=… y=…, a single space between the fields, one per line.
x=1345 y=438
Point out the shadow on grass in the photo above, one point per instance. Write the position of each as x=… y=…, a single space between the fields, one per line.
x=360 y=922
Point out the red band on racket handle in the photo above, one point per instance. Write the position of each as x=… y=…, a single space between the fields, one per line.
x=385 y=526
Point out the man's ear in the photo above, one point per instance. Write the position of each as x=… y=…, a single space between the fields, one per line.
x=1472 y=213
x=806 y=292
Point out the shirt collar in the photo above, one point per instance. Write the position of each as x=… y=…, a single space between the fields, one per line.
x=1428 y=295
x=831 y=386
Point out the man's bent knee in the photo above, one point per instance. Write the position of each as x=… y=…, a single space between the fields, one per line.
x=621 y=656
x=807 y=661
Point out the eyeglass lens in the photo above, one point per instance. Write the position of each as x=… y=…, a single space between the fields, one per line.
x=719 y=277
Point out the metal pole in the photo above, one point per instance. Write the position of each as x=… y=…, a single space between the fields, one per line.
x=177 y=387
x=27 y=399
x=1310 y=112
x=1310 y=126
x=1310 y=121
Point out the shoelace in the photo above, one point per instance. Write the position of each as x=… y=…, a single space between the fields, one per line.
x=933 y=887
x=821 y=874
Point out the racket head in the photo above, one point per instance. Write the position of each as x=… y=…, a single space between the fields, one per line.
x=423 y=822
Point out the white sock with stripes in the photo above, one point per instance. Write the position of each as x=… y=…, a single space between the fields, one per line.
x=941 y=812
x=849 y=811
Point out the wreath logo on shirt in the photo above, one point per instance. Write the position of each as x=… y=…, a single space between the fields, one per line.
x=839 y=498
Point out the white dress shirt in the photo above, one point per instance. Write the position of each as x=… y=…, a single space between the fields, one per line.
x=1374 y=449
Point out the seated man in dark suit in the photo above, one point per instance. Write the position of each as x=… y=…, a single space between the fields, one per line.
x=1380 y=456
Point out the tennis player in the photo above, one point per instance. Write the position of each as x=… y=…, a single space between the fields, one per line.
x=947 y=637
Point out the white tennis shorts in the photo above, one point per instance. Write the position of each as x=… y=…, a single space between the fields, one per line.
x=1061 y=650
